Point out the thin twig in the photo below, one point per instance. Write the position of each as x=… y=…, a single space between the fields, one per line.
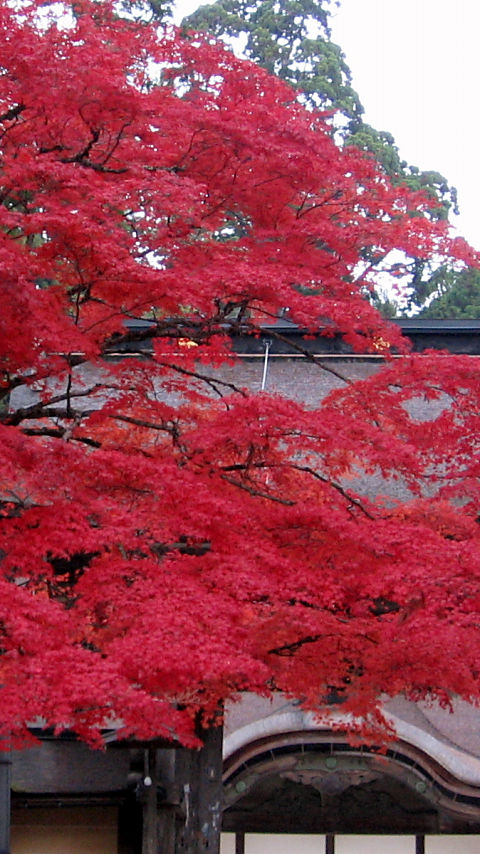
x=256 y=492
x=309 y=356
x=337 y=486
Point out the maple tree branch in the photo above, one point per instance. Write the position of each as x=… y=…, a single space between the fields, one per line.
x=44 y=408
x=334 y=197
x=94 y=139
x=337 y=486
x=38 y=411
x=60 y=433
x=310 y=357
x=12 y=113
x=334 y=484
x=149 y=425
x=244 y=466
x=183 y=547
x=291 y=648
x=173 y=326
x=211 y=381
x=10 y=383
x=89 y=164
x=257 y=493
x=116 y=143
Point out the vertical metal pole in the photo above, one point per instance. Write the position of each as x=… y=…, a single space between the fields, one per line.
x=268 y=344
x=5 y=776
x=330 y=843
x=239 y=843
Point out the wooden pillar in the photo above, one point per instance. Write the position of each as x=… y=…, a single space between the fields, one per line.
x=199 y=781
x=330 y=843
x=420 y=844
x=150 y=834
x=5 y=774
x=158 y=802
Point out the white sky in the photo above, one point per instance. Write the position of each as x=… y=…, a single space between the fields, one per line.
x=416 y=67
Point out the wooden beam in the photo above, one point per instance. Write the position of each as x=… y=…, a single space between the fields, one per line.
x=420 y=844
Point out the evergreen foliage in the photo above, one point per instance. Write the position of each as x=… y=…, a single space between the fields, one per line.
x=292 y=39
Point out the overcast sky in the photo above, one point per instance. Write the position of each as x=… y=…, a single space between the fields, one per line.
x=415 y=66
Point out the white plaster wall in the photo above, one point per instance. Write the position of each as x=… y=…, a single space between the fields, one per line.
x=265 y=843
x=450 y=844
x=373 y=844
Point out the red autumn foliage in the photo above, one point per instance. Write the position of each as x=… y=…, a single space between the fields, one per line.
x=167 y=540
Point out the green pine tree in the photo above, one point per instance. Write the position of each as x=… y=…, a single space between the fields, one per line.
x=292 y=39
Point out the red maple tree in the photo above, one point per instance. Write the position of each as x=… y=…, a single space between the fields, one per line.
x=168 y=539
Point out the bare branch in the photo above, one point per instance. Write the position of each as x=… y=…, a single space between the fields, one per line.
x=44 y=408
x=258 y=493
x=149 y=425
x=12 y=113
x=60 y=433
x=291 y=648
x=337 y=486
x=310 y=357
x=211 y=381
